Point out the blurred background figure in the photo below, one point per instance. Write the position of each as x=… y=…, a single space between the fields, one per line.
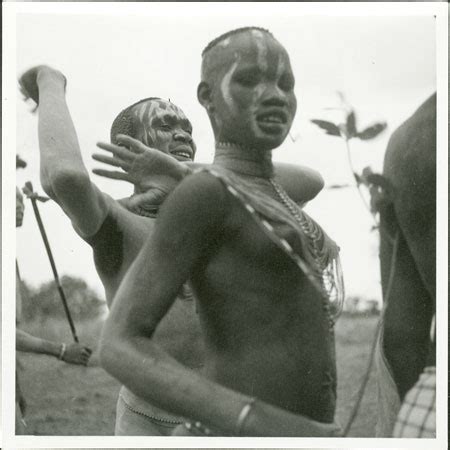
x=407 y=349
x=25 y=342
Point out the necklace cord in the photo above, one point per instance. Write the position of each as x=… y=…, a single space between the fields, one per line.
x=328 y=273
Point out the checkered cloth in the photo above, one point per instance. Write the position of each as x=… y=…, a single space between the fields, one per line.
x=417 y=416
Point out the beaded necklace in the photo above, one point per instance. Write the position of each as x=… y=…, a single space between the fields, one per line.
x=325 y=273
x=330 y=275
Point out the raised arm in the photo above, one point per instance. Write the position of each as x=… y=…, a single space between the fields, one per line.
x=190 y=222
x=149 y=170
x=153 y=171
x=64 y=176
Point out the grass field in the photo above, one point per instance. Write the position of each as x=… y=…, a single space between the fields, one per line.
x=71 y=400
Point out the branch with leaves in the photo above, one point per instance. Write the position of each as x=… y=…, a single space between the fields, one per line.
x=379 y=189
x=348 y=131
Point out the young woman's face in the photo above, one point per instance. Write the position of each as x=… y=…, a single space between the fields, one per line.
x=253 y=98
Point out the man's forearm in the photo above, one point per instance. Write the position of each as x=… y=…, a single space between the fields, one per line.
x=27 y=343
x=60 y=154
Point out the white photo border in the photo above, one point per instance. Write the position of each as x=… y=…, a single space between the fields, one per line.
x=9 y=80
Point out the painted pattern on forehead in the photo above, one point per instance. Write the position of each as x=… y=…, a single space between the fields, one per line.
x=155 y=108
x=261 y=49
x=267 y=52
x=225 y=43
x=147 y=112
x=282 y=65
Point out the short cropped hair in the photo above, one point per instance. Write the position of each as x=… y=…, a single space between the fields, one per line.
x=125 y=123
x=231 y=33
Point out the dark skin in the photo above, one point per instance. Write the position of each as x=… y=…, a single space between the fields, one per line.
x=410 y=167
x=153 y=172
x=74 y=353
x=112 y=227
x=265 y=329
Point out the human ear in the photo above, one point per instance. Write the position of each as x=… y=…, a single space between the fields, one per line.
x=204 y=95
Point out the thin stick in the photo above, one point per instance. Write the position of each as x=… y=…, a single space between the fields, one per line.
x=52 y=263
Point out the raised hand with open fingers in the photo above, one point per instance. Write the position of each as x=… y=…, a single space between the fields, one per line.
x=145 y=167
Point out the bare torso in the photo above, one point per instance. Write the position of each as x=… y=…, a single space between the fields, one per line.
x=266 y=331
x=115 y=246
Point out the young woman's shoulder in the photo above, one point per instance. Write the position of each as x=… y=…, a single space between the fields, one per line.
x=201 y=194
x=202 y=185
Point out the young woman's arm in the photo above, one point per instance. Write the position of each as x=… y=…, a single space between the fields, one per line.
x=190 y=220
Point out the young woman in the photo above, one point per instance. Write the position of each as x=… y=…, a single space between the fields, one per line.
x=265 y=275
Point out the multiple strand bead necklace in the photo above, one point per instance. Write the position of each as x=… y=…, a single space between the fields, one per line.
x=326 y=275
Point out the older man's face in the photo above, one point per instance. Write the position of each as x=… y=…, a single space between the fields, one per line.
x=164 y=126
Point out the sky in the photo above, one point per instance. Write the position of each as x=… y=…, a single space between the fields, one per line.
x=384 y=65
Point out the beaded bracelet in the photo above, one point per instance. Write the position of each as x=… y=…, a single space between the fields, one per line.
x=198 y=428
x=62 y=352
x=243 y=415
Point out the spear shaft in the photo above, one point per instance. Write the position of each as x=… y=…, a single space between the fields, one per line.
x=53 y=265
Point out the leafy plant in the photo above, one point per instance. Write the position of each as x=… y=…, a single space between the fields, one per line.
x=20 y=163
x=348 y=131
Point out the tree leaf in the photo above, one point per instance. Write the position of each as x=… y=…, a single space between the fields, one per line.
x=329 y=127
x=338 y=186
x=28 y=189
x=367 y=171
x=20 y=163
x=351 y=124
x=42 y=199
x=379 y=180
x=372 y=131
x=365 y=174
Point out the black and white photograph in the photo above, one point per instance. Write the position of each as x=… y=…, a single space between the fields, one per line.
x=231 y=225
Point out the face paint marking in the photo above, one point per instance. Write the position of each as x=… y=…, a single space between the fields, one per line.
x=262 y=50
x=225 y=84
x=151 y=117
x=225 y=43
x=143 y=113
x=281 y=66
x=162 y=105
x=139 y=111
